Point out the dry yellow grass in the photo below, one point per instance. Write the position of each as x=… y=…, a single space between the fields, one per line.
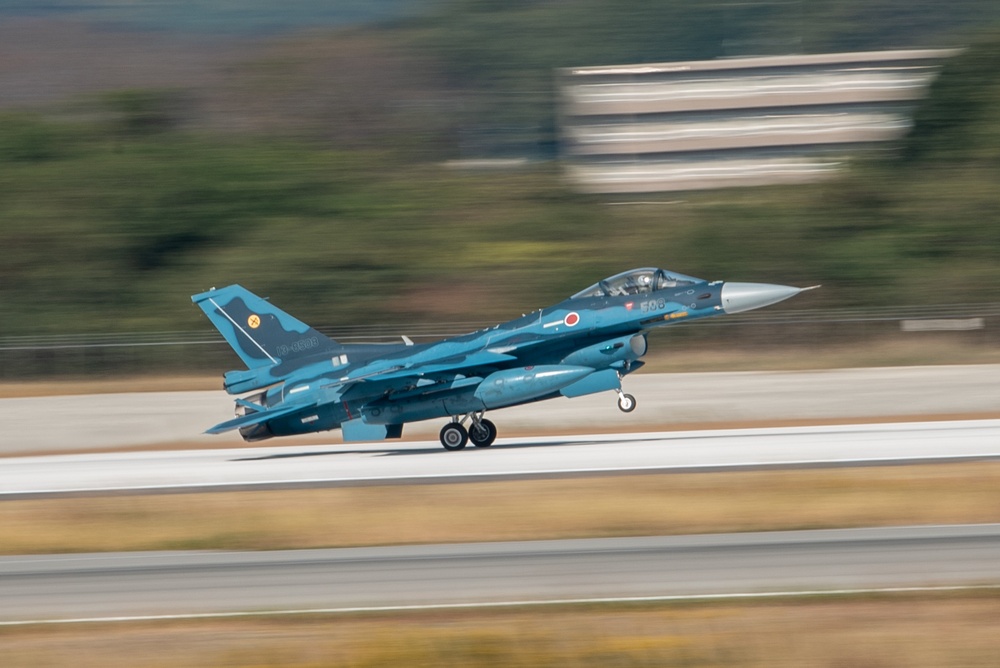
x=513 y=510
x=866 y=632
x=881 y=632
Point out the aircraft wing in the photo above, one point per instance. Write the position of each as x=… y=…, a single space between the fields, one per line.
x=444 y=365
x=379 y=380
x=456 y=363
x=256 y=418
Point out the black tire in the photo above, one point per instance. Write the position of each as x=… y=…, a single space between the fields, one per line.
x=483 y=434
x=626 y=403
x=454 y=436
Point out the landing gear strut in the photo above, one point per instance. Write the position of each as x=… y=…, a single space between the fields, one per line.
x=481 y=432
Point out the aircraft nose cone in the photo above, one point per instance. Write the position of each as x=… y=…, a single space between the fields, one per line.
x=740 y=297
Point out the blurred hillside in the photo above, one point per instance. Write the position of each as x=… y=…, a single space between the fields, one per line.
x=214 y=16
x=138 y=168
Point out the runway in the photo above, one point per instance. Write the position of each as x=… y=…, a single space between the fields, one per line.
x=36 y=425
x=389 y=463
x=105 y=586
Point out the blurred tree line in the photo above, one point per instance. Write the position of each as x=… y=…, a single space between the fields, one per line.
x=316 y=175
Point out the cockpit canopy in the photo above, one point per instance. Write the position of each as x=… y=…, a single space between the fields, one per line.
x=637 y=281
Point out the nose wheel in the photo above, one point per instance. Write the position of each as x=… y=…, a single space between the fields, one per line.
x=626 y=402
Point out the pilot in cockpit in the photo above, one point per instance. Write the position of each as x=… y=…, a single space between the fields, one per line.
x=636 y=284
x=636 y=281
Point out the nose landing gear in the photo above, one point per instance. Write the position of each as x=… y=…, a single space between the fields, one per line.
x=626 y=402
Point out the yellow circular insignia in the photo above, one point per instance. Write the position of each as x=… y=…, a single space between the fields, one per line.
x=254 y=321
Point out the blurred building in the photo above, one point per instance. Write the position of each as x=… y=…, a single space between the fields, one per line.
x=734 y=122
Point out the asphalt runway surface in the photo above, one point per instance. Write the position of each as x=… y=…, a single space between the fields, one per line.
x=385 y=463
x=121 y=586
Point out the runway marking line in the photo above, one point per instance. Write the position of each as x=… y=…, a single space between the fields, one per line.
x=675 y=598
x=486 y=476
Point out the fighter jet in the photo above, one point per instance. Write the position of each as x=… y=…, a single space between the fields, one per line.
x=298 y=381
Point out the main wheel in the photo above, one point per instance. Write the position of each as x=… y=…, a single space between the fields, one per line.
x=454 y=436
x=483 y=434
x=626 y=403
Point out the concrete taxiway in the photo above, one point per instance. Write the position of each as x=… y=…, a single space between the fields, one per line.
x=123 y=586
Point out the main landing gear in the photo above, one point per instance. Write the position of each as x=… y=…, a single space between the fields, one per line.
x=481 y=432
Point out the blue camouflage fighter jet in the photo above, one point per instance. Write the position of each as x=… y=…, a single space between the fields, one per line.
x=299 y=381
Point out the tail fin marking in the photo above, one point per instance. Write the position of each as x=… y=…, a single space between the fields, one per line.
x=259 y=332
x=242 y=331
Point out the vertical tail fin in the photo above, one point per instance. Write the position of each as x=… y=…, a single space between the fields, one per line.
x=260 y=333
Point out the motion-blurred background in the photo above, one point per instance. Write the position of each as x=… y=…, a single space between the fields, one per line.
x=424 y=167
x=382 y=168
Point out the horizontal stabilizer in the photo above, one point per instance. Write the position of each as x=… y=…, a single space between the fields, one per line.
x=248 y=380
x=255 y=418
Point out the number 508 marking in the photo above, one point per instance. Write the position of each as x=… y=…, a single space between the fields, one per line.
x=653 y=305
